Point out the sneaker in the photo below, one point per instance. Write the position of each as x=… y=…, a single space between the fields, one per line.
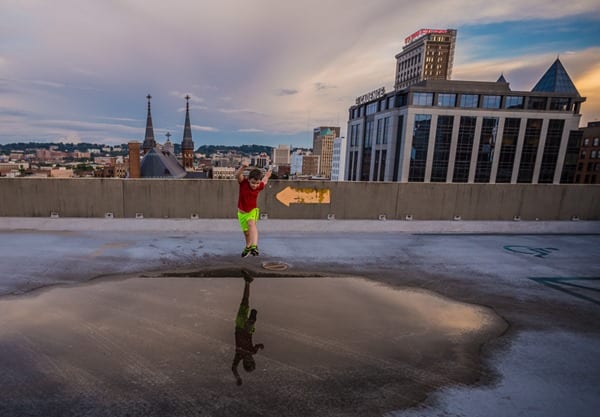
x=247 y=277
x=254 y=250
x=246 y=252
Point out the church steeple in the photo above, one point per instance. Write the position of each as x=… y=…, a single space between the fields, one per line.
x=149 y=142
x=187 y=145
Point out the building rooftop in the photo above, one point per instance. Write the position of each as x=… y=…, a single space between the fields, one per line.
x=556 y=80
x=446 y=324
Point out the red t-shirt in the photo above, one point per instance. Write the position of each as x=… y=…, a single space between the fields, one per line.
x=248 y=196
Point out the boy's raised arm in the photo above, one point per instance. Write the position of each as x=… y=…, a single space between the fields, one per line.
x=265 y=179
x=239 y=174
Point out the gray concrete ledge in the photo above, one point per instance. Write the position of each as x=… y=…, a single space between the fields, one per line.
x=311 y=226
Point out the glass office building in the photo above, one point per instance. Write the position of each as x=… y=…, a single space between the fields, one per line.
x=467 y=132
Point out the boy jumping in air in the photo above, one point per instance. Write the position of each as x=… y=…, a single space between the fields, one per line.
x=248 y=212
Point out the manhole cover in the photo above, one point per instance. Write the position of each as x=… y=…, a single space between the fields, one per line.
x=275 y=266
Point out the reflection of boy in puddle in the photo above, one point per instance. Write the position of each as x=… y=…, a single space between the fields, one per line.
x=244 y=329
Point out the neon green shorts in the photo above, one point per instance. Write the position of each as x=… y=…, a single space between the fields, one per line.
x=242 y=318
x=244 y=217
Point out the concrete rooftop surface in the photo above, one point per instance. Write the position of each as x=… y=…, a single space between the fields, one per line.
x=136 y=317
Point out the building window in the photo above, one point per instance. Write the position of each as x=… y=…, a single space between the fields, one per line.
x=560 y=103
x=366 y=151
x=464 y=148
x=446 y=100
x=596 y=140
x=490 y=102
x=593 y=154
x=420 y=142
x=487 y=143
x=568 y=171
x=369 y=135
x=441 y=149
x=537 y=103
x=398 y=146
x=386 y=130
x=423 y=99
x=530 y=148
x=354 y=135
x=379 y=136
x=508 y=149
x=391 y=102
x=371 y=108
x=513 y=102
x=469 y=100
x=551 y=147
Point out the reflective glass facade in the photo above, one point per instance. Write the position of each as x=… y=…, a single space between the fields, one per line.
x=420 y=142
x=464 y=149
x=441 y=150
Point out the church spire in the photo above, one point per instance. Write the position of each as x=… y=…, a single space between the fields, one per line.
x=149 y=142
x=187 y=145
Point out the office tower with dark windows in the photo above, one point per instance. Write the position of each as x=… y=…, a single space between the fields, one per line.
x=428 y=54
x=469 y=132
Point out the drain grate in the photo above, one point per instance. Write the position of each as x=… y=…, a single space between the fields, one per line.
x=275 y=266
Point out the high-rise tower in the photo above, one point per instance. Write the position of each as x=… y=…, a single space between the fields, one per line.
x=428 y=54
x=323 y=147
x=149 y=142
x=187 y=145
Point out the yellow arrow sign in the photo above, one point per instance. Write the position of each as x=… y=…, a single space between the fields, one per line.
x=303 y=196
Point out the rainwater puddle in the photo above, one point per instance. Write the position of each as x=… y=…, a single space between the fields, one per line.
x=165 y=346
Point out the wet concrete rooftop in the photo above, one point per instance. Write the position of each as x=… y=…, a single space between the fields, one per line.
x=96 y=321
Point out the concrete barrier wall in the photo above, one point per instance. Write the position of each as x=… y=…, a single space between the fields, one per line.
x=38 y=197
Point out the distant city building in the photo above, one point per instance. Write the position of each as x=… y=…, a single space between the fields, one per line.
x=260 y=161
x=323 y=147
x=338 y=161
x=81 y=155
x=296 y=162
x=104 y=160
x=281 y=155
x=310 y=165
x=468 y=131
x=134 y=159
x=61 y=172
x=428 y=54
x=223 y=173
x=588 y=164
x=12 y=168
x=16 y=155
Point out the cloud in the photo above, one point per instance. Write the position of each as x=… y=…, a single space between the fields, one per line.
x=286 y=92
x=233 y=111
x=250 y=130
x=205 y=128
x=47 y=83
x=322 y=86
x=122 y=50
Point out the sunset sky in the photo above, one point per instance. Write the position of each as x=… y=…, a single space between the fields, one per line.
x=258 y=71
